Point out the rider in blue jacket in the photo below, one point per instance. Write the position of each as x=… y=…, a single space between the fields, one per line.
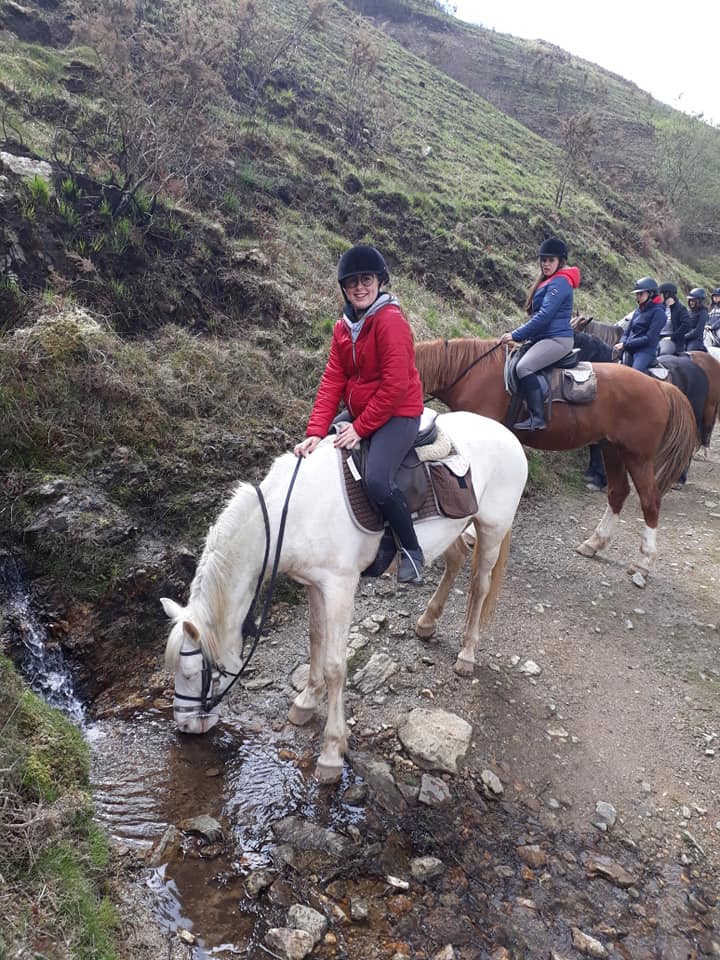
x=639 y=344
x=549 y=305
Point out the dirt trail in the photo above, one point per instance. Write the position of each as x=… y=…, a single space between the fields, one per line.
x=631 y=675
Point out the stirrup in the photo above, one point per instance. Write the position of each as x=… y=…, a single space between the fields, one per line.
x=410 y=568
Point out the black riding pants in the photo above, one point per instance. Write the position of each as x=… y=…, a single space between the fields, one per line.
x=387 y=449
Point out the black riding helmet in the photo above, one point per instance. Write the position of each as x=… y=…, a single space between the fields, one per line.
x=362 y=258
x=716 y=292
x=553 y=247
x=697 y=293
x=646 y=285
x=667 y=290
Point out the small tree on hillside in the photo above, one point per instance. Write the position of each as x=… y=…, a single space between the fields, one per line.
x=261 y=50
x=687 y=156
x=580 y=137
x=160 y=67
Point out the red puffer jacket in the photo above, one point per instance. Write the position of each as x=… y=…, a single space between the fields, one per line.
x=376 y=376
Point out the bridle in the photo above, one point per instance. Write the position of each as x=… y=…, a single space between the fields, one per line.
x=251 y=629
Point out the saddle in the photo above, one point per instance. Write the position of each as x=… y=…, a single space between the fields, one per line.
x=434 y=477
x=568 y=380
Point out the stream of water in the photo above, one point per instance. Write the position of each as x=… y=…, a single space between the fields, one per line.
x=146 y=777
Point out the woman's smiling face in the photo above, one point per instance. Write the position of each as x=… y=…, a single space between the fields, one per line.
x=362 y=289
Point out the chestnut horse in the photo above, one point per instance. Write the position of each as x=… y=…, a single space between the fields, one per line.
x=709 y=363
x=648 y=425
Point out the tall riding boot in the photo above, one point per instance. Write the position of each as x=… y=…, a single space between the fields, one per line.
x=397 y=513
x=532 y=393
x=387 y=549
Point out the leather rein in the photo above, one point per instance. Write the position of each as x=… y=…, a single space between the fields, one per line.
x=251 y=629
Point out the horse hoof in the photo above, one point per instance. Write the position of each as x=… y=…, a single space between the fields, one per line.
x=585 y=549
x=299 y=716
x=424 y=631
x=464 y=668
x=327 y=773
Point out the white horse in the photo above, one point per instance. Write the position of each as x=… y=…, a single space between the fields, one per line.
x=712 y=344
x=324 y=550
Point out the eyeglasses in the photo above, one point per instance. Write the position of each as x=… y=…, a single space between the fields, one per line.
x=360 y=279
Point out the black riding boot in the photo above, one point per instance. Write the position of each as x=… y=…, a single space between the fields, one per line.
x=532 y=393
x=397 y=513
x=385 y=555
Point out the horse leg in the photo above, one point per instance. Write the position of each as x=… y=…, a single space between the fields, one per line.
x=454 y=558
x=305 y=704
x=337 y=607
x=489 y=561
x=643 y=476
x=617 y=493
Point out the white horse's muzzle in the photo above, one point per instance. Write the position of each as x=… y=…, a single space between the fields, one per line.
x=190 y=720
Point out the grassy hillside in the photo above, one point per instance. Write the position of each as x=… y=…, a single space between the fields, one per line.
x=665 y=165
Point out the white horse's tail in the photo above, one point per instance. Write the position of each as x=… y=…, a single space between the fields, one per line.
x=496 y=577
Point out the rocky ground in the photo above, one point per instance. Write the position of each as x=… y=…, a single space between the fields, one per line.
x=584 y=817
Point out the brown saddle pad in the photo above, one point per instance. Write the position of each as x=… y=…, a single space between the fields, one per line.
x=577 y=385
x=446 y=495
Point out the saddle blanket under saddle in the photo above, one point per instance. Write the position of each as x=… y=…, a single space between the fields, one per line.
x=439 y=488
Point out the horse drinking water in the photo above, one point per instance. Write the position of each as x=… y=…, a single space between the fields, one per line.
x=325 y=550
x=648 y=424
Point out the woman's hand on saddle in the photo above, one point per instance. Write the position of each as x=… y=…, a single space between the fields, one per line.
x=306 y=446
x=347 y=437
x=506 y=338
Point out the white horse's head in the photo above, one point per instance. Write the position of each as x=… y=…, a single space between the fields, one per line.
x=198 y=681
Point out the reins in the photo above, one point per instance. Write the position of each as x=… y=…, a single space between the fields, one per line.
x=466 y=370
x=251 y=627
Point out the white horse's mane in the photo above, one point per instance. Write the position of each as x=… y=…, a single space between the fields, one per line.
x=207 y=606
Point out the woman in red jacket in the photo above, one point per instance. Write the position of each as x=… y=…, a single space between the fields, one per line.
x=371 y=369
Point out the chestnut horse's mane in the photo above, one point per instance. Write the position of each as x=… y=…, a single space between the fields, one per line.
x=440 y=362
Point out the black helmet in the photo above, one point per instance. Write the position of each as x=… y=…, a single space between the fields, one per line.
x=667 y=290
x=645 y=284
x=697 y=293
x=362 y=259
x=716 y=292
x=553 y=247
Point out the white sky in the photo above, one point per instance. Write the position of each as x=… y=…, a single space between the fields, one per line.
x=670 y=48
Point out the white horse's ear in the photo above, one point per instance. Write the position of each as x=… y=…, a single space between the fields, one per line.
x=191 y=630
x=172 y=610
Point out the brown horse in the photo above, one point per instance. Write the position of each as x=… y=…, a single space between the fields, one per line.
x=711 y=411
x=610 y=333
x=648 y=424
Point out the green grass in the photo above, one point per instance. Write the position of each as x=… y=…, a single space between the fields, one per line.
x=53 y=871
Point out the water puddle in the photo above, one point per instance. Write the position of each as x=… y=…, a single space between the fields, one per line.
x=147 y=777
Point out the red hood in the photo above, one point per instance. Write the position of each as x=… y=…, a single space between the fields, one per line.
x=571 y=274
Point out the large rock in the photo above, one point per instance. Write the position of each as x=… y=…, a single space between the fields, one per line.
x=435 y=739
x=288 y=943
x=26 y=166
x=379 y=668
